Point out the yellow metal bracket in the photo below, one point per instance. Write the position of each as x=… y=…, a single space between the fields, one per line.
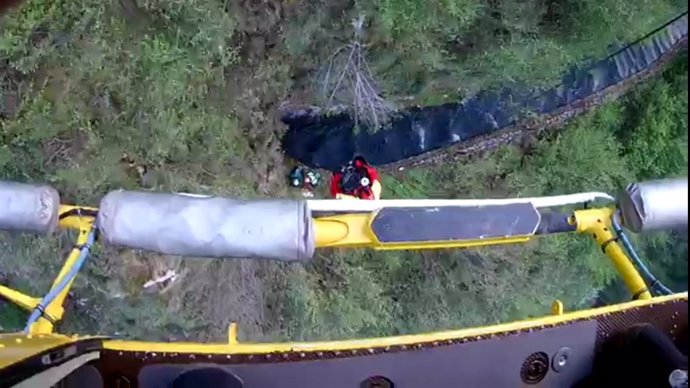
x=597 y=223
x=347 y=230
x=71 y=217
x=233 y=332
x=22 y=300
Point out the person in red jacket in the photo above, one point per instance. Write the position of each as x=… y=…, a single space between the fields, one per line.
x=357 y=180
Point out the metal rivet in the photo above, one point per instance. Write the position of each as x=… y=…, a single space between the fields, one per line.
x=560 y=360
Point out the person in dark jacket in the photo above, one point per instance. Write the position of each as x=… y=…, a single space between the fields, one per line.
x=357 y=180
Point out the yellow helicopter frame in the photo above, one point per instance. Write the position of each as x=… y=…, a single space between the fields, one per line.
x=347 y=230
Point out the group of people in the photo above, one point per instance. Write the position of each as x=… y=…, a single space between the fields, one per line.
x=356 y=180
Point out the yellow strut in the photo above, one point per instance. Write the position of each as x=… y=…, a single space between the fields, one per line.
x=54 y=311
x=22 y=300
x=597 y=223
x=347 y=231
x=355 y=231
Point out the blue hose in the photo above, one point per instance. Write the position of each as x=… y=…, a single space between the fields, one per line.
x=646 y=273
x=83 y=255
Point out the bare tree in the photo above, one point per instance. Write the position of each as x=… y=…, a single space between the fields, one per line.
x=348 y=81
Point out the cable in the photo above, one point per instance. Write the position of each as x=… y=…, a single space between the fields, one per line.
x=655 y=284
x=52 y=294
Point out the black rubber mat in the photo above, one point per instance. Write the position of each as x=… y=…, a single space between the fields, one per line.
x=454 y=223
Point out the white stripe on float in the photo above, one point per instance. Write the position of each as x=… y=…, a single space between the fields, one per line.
x=344 y=205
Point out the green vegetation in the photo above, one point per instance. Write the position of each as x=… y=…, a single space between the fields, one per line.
x=456 y=47
x=363 y=293
x=184 y=95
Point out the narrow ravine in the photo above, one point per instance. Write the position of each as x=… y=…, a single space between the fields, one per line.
x=419 y=136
